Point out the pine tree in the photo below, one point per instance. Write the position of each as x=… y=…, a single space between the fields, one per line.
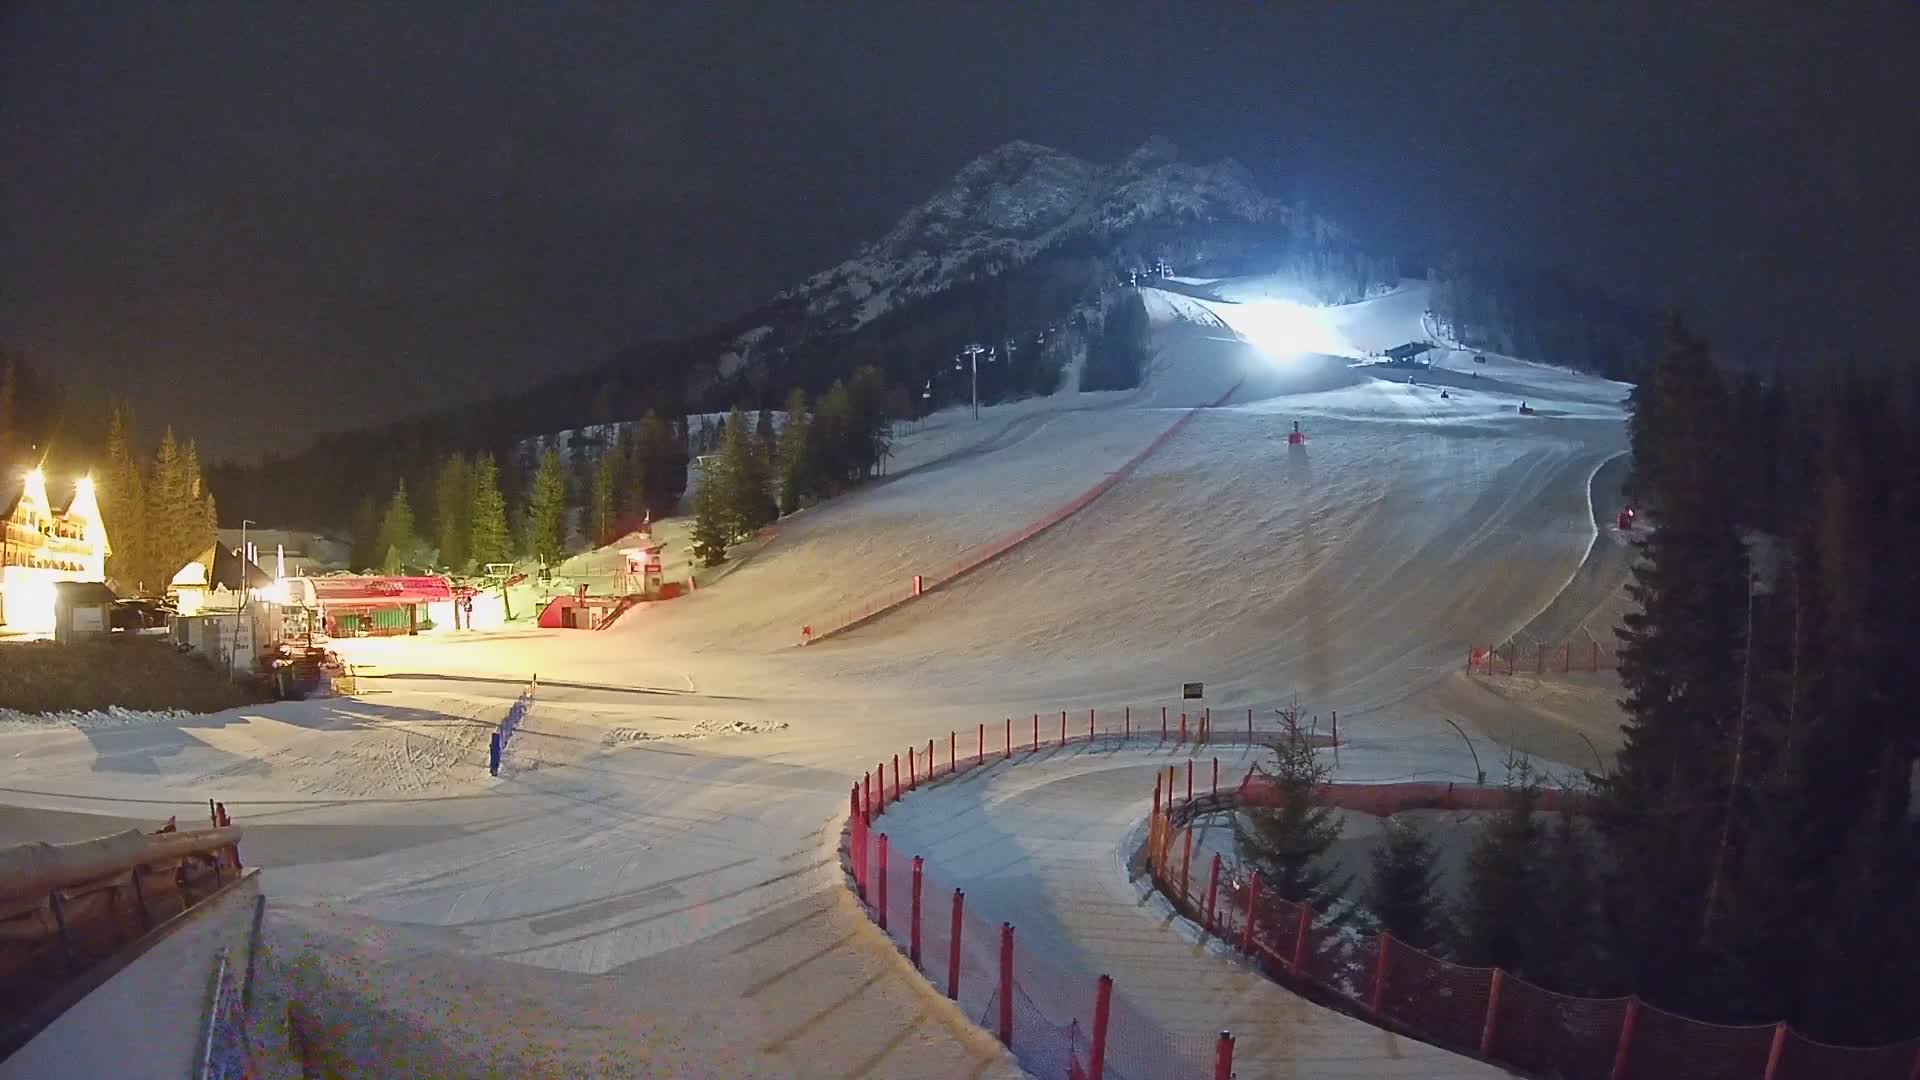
x=453 y=510
x=1681 y=667
x=1403 y=888
x=398 y=537
x=366 y=534
x=1567 y=955
x=741 y=483
x=711 y=534
x=656 y=454
x=1285 y=842
x=605 y=509
x=547 y=510
x=488 y=540
x=792 y=466
x=631 y=498
x=123 y=509
x=1497 y=920
x=170 y=511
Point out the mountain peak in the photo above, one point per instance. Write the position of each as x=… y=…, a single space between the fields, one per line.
x=1015 y=202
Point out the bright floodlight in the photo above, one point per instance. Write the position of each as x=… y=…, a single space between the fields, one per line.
x=1281 y=328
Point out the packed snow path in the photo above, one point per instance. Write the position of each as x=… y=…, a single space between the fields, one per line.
x=663 y=829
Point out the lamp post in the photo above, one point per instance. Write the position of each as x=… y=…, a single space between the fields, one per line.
x=240 y=606
x=973 y=353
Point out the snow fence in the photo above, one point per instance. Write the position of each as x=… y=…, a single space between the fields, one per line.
x=1542 y=658
x=1484 y=1012
x=879 y=604
x=1060 y=1023
x=522 y=705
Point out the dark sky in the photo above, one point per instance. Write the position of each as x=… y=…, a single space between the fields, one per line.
x=265 y=219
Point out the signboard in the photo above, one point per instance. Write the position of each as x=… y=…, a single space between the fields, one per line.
x=90 y=619
x=1190 y=691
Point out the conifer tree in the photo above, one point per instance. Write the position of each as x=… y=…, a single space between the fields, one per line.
x=1403 y=887
x=711 y=529
x=793 y=466
x=1285 y=843
x=1681 y=667
x=488 y=541
x=170 y=511
x=547 y=510
x=453 y=510
x=1496 y=919
x=398 y=537
x=604 y=510
x=741 y=482
x=123 y=508
x=365 y=531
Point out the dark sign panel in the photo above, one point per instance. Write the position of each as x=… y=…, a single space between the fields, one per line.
x=1190 y=691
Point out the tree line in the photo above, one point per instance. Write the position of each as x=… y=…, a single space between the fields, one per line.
x=470 y=520
x=1751 y=854
x=824 y=449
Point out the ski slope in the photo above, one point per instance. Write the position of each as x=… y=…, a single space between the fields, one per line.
x=656 y=864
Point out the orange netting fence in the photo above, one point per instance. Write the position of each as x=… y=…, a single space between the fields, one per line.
x=1542 y=658
x=1059 y=1021
x=1485 y=1012
x=888 y=599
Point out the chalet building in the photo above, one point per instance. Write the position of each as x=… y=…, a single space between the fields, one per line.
x=41 y=546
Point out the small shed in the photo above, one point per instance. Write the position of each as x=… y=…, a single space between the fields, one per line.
x=1410 y=353
x=82 y=609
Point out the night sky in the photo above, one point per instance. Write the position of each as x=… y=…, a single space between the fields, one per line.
x=267 y=219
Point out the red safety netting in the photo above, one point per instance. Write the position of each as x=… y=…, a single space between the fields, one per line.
x=1666 y=1044
x=1053 y=1000
x=1429 y=995
x=1542 y=658
x=980 y=555
x=1802 y=1058
x=1554 y=1034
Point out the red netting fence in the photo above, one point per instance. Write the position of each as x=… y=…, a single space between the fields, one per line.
x=1485 y=1012
x=1542 y=658
x=888 y=599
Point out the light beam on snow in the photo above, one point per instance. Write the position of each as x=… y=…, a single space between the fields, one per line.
x=1282 y=329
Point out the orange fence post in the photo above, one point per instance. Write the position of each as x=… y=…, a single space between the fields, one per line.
x=1774 y=1051
x=1625 y=1044
x=883 y=880
x=1213 y=891
x=1090 y=713
x=913 y=771
x=1223 y=1057
x=913 y=950
x=981 y=754
x=1380 y=972
x=1163 y=722
x=1126 y=721
x=1009 y=736
x=1189 y=779
x=1206 y=723
x=1253 y=912
x=1336 y=729
x=1249 y=727
x=1036 y=733
x=1006 y=984
x=896 y=778
x=1186 y=861
x=1216 y=776
x=1493 y=1013
x=1102 y=1003
x=953 y=754
x=1063 y=727
x=953 y=947
x=866 y=803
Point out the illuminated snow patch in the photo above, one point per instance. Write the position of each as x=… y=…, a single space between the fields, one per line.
x=1283 y=329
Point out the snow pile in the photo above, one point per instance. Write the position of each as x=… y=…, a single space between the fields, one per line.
x=700 y=730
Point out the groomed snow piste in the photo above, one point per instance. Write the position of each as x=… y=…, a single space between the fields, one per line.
x=654 y=873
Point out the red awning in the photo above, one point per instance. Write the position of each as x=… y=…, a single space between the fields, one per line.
x=353 y=589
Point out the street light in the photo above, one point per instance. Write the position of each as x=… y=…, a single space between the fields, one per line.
x=233 y=648
x=973 y=352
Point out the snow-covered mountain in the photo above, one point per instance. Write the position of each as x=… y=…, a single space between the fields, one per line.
x=1022 y=200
